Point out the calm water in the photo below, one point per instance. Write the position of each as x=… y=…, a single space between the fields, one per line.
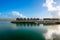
x=28 y=31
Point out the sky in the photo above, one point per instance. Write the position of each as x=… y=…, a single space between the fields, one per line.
x=29 y=8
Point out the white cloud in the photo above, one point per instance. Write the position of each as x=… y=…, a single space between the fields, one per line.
x=12 y=14
x=17 y=14
x=49 y=5
x=53 y=8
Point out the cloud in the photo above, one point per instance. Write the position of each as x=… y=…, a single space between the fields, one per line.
x=53 y=8
x=17 y=14
x=12 y=14
x=49 y=5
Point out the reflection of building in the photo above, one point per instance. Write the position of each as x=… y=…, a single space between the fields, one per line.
x=27 y=24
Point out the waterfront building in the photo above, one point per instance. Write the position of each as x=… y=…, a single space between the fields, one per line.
x=51 y=20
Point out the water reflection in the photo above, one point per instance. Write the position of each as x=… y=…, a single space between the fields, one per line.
x=21 y=34
x=27 y=24
x=21 y=31
x=53 y=32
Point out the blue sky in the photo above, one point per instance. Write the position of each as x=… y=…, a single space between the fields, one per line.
x=23 y=8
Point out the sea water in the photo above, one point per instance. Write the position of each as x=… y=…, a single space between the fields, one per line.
x=28 y=31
